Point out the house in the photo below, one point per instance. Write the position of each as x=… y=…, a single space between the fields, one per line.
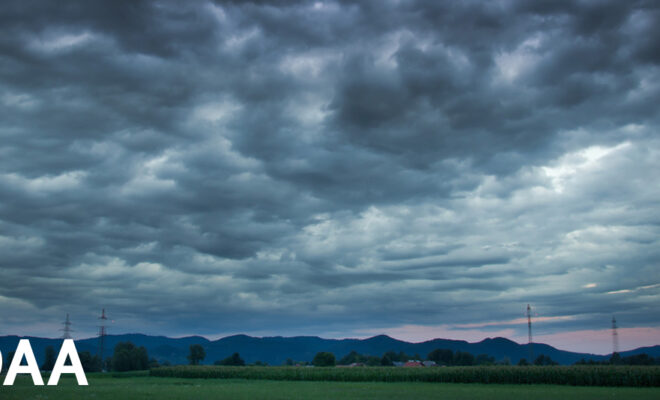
x=413 y=363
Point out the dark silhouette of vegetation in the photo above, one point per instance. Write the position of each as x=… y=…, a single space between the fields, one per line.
x=197 y=354
x=441 y=356
x=463 y=358
x=324 y=359
x=128 y=357
x=544 y=360
x=354 y=358
x=640 y=359
x=484 y=359
x=350 y=358
x=385 y=361
x=10 y=356
x=399 y=357
x=107 y=364
x=616 y=359
x=49 y=360
x=89 y=363
x=449 y=358
x=234 y=359
x=290 y=363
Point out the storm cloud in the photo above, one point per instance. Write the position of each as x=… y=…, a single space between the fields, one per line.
x=329 y=168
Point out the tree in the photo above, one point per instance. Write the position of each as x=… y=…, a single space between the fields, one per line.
x=106 y=365
x=197 y=354
x=128 y=357
x=324 y=359
x=351 y=358
x=10 y=356
x=523 y=362
x=463 y=358
x=288 y=362
x=89 y=363
x=639 y=359
x=372 y=361
x=441 y=356
x=49 y=361
x=233 y=360
x=386 y=361
x=544 y=360
x=485 y=359
x=392 y=356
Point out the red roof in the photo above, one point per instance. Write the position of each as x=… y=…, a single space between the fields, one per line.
x=413 y=364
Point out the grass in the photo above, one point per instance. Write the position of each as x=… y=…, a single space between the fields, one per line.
x=132 y=387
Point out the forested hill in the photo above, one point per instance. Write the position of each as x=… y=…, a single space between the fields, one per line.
x=275 y=350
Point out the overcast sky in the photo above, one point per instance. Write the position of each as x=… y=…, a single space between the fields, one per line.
x=421 y=169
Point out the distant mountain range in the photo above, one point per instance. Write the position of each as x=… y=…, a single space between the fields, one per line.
x=275 y=350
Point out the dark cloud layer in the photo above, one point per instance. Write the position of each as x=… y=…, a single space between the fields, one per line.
x=328 y=167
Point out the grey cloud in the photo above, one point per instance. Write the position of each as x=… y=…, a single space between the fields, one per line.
x=302 y=164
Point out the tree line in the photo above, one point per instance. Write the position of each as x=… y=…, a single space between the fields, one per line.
x=129 y=357
x=616 y=359
x=126 y=357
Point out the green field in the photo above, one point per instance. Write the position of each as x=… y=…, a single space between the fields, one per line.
x=113 y=388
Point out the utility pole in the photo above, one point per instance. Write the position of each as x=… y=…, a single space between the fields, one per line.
x=102 y=334
x=615 y=337
x=67 y=328
x=529 y=334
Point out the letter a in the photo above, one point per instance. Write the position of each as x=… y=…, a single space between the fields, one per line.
x=68 y=349
x=23 y=349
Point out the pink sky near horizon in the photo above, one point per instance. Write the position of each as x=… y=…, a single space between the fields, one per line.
x=581 y=341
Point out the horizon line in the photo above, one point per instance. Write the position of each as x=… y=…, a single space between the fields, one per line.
x=336 y=339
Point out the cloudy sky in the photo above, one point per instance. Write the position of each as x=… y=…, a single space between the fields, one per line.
x=420 y=169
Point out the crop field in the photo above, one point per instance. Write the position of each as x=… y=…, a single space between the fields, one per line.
x=109 y=387
x=639 y=376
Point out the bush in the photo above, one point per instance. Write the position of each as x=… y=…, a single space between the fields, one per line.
x=234 y=359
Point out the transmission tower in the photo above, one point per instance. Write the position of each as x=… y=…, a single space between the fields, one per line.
x=529 y=334
x=67 y=328
x=102 y=334
x=615 y=337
